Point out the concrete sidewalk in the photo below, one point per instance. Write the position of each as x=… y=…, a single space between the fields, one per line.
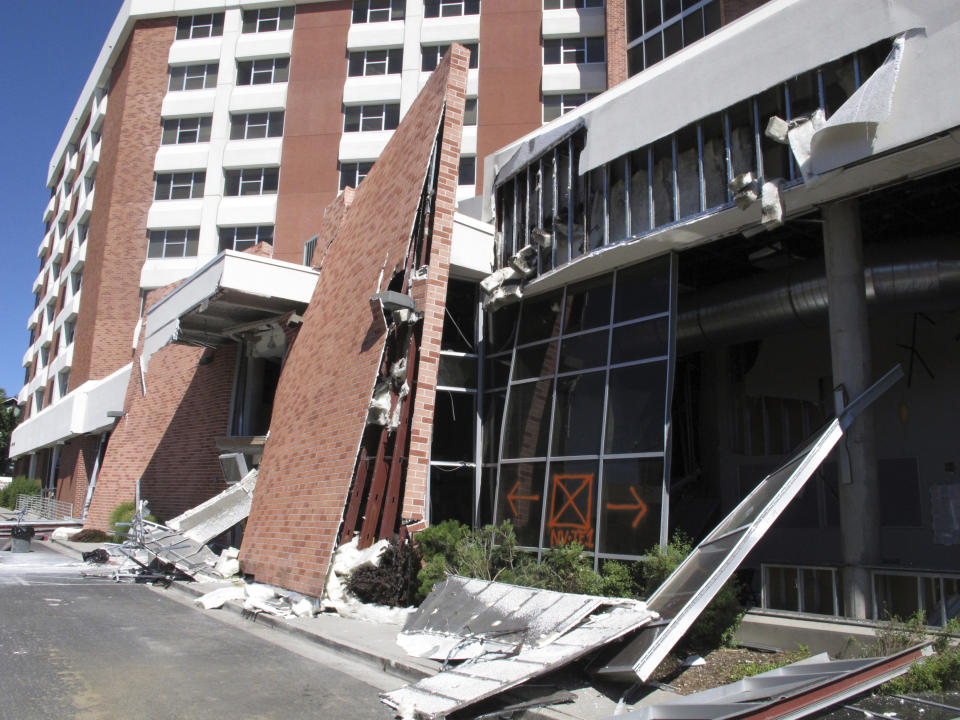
x=375 y=644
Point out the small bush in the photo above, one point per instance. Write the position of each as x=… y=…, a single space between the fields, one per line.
x=937 y=673
x=123 y=513
x=20 y=485
x=393 y=581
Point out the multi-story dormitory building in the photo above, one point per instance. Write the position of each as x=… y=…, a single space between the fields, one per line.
x=662 y=291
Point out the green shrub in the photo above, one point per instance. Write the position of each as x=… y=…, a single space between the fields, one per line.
x=718 y=621
x=123 y=513
x=938 y=673
x=20 y=485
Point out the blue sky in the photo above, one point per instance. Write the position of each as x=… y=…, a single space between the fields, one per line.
x=48 y=49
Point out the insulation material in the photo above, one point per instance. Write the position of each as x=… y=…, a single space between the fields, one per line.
x=945 y=506
x=800 y=135
x=472 y=682
x=218 y=514
x=771 y=204
x=346 y=559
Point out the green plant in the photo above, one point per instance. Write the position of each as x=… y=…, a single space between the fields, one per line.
x=745 y=670
x=120 y=520
x=718 y=621
x=20 y=485
x=938 y=673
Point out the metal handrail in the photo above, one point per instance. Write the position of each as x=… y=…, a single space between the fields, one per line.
x=45 y=508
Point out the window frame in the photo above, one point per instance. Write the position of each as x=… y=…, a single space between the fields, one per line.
x=168 y=240
x=450 y=8
x=245 y=182
x=471 y=112
x=373 y=117
x=176 y=126
x=358 y=171
x=360 y=60
x=431 y=55
x=258 y=20
x=261 y=233
x=252 y=72
x=272 y=125
x=572 y=4
x=467 y=162
x=192 y=27
x=563 y=105
x=181 y=75
x=567 y=49
x=193 y=180
x=395 y=10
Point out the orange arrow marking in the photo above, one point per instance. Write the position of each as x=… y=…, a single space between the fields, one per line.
x=513 y=496
x=640 y=506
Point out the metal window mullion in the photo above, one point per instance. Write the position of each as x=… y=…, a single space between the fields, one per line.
x=603 y=427
x=555 y=190
x=702 y=184
x=675 y=179
x=478 y=408
x=664 y=24
x=789 y=113
x=667 y=404
x=627 y=190
x=728 y=152
x=503 y=418
x=553 y=405
x=606 y=204
x=650 y=217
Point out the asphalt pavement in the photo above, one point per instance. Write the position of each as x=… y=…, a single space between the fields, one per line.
x=92 y=649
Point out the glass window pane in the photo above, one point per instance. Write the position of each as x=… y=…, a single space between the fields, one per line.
x=617 y=203
x=540 y=318
x=571 y=504
x=578 y=417
x=453 y=426
x=639 y=341
x=501 y=327
x=632 y=497
x=451 y=494
x=714 y=161
x=457 y=371
x=492 y=422
x=639 y=192
x=782 y=589
x=496 y=371
x=583 y=352
x=520 y=500
x=528 y=420
x=595 y=208
x=643 y=290
x=817 y=591
x=635 y=408
x=588 y=304
x=663 y=195
x=535 y=361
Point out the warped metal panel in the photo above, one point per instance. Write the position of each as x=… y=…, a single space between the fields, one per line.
x=687 y=591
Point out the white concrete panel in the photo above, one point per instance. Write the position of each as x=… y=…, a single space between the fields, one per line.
x=471 y=254
x=83 y=212
x=266 y=44
x=171 y=158
x=248 y=210
x=195 y=51
x=589 y=77
x=363 y=145
x=249 y=98
x=379 y=88
x=441 y=31
x=364 y=36
x=468 y=141
x=174 y=214
x=411 y=55
x=566 y=23
x=185 y=103
x=262 y=152
x=158 y=272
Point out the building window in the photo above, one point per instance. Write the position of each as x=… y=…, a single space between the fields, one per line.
x=81 y=233
x=69 y=330
x=352 y=174
x=364 y=118
x=256 y=125
x=179 y=186
x=76 y=278
x=184 y=131
x=63 y=382
x=450 y=8
x=470 y=112
x=268 y=19
x=242 y=238
x=309 y=247
x=262 y=72
x=370 y=11
x=44 y=356
x=51 y=310
x=200 y=26
x=656 y=30
x=556 y=105
x=375 y=62
x=38 y=400
x=193 y=77
x=468 y=171
x=431 y=55
x=173 y=243
x=571 y=50
x=251 y=181
x=570 y=4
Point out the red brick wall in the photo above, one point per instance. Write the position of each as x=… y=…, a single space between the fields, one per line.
x=77 y=460
x=116 y=243
x=313 y=122
x=616 y=17
x=167 y=438
x=511 y=59
x=732 y=9
x=323 y=394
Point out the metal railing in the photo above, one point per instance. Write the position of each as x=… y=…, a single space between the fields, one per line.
x=44 y=508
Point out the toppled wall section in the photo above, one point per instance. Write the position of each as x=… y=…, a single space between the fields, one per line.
x=320 y=408
x=167 y=437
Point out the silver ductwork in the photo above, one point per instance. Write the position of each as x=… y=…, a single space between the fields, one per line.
x=921 y=274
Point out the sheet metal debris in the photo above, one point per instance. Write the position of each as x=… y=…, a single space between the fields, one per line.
x=218 y=514
x=793 y=691
x=509 y=634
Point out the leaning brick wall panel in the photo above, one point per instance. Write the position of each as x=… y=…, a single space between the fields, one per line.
x=116 y=241
x=325 y=388
x=168 y=436
x=616 y=19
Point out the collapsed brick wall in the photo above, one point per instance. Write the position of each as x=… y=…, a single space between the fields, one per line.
x=168 y=436
x=322 y=397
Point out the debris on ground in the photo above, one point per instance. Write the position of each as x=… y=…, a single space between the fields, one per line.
x=336 y=598
x=259 y=599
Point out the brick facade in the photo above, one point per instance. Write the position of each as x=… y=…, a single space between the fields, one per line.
x=732 y=9
x=312 y=124
x=321 y=402
x=616 y=19
x=77 y=461
x=167 y=438
x=116 y=242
